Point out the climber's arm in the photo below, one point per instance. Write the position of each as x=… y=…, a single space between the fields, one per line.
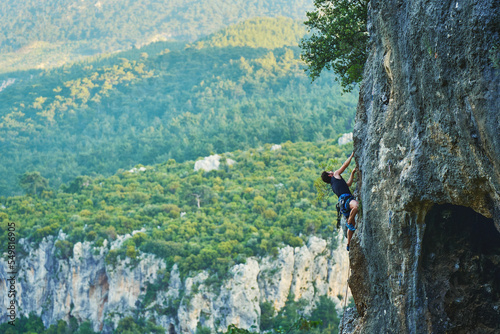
x=351 y=178
x=339 y=171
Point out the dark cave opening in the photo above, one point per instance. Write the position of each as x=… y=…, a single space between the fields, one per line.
x=460 y=270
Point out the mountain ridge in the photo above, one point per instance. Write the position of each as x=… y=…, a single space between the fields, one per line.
x=76 y=28
x=149 y=105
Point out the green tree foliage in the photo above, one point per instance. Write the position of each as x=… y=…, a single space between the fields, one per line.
x=64 y=249
x=338 y=40
x=290 y=320
x=258 y=33
x=85 y=328
x=245 y=211
x=95 y=117
x=129 y=325
x=266 y=316
x=325 y=310
x=31 y=324
x=111 y=25
x=222 y=232
x=202 y=330
x=34 y=325
x=33 y=183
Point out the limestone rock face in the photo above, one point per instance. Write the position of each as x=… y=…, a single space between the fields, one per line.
x=211 y=162
x=427 y=141
x=208 y=164
x=89 y=288
x=345 y=139
x=6 y=83
x=83 y=286
x=241 y=291
x=307 y=272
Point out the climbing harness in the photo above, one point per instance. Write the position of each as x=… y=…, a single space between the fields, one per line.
x=344 y=209
x=343 y=203
x=341 y=327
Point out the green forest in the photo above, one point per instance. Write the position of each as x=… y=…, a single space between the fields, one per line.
x=70 y=29
x=106 y=145
x=168 y=100
x=256 y=202
x=200 y=220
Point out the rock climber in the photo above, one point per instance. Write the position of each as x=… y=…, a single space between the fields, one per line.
x=347 y=203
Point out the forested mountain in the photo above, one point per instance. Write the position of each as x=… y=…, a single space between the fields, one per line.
x=194 y=221
x=258 y=33
x=256 y=202
x=165 y=101
x=67 y=29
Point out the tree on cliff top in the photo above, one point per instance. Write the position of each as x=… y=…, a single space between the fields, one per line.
x=338 y=40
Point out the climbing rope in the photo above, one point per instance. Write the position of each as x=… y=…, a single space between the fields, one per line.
x=345 y=298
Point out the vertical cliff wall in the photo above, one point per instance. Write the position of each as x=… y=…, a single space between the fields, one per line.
x=425 y=257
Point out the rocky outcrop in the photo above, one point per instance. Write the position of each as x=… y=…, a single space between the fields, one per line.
x=87 y=287
x=6 y=83
x=83 y=286
x=345 y=139
x=427 y=141
x=211 y=162
x=307 y=273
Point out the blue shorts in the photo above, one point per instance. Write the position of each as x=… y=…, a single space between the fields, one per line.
x=344 y=201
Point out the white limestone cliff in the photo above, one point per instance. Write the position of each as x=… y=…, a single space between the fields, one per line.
x=89 y=289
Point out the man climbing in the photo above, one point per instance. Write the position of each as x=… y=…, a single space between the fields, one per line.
x=347 y=202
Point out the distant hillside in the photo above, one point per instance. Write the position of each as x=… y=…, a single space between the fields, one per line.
x=199 y=225
x=161 y=102
x=259 y=32
x=254 y=203
x=75 y=28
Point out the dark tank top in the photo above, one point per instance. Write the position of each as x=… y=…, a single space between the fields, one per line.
x=340 y=187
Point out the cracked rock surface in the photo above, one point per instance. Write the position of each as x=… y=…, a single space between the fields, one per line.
x=427 y=142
